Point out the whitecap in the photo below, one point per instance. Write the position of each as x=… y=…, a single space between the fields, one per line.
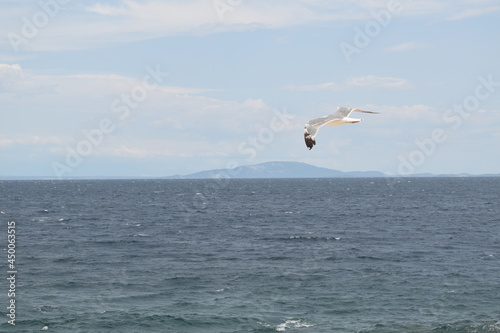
x=291 y=323
x=265 y=324
x=142 y=235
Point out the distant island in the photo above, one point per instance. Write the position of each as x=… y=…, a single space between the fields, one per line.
x=274 y=169
x=298 y=170
x=278 y=170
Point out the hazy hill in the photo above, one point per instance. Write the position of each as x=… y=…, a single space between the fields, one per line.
x=279 y=170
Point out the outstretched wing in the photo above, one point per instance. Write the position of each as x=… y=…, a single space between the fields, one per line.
x=358 y=110
x=342 y=112
x=312 y=127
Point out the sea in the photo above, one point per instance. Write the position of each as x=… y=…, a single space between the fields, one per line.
x=251 y=255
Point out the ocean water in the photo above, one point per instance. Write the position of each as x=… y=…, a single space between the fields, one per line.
x=282 y=255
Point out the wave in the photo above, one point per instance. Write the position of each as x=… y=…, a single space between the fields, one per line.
x=289 y=323
x=457 y=327
x=465 y=327
x=314 y=238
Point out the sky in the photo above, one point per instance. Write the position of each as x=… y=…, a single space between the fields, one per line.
x=157 y=88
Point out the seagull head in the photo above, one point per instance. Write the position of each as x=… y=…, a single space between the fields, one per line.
x=310 y=141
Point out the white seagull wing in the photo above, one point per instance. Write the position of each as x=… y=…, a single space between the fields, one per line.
x=312 y=126
x=343 y=112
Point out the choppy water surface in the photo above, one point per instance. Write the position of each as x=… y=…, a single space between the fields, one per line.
x=325 y=255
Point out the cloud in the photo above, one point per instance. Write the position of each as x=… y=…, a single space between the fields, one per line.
x=409 y=112
x=143 y=149
x=14 y=80
x=169 y=121
x=192 y=14
x=405 y=47
x=472 y=12
x=378 y=82
x=362 y=82
x=30 y=140
x=10 y=77
x=127 y=21
x=76 y=26
x=141 y=152
x=8 y=58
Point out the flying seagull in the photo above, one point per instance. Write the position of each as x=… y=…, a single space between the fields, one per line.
x=340 y=117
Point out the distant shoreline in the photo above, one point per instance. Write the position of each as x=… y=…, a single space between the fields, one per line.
x=266 y=170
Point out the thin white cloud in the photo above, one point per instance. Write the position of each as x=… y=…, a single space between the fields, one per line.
x=78 y=27
x=472 y=12
x=33 y=140
x=408 y=112
x=155 y=148
x=140 y=152
x=378 y=82
x=363 y=82
x=169 y=121
x=13 y=79
x=9 y=58
x=405 y=47
x=127 y=21
x=7 y=70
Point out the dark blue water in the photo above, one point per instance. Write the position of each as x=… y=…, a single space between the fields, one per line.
x=329 y=255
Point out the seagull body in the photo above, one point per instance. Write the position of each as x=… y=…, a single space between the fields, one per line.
x=340 y=117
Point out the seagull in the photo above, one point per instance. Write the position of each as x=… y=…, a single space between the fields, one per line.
x=340 y=117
